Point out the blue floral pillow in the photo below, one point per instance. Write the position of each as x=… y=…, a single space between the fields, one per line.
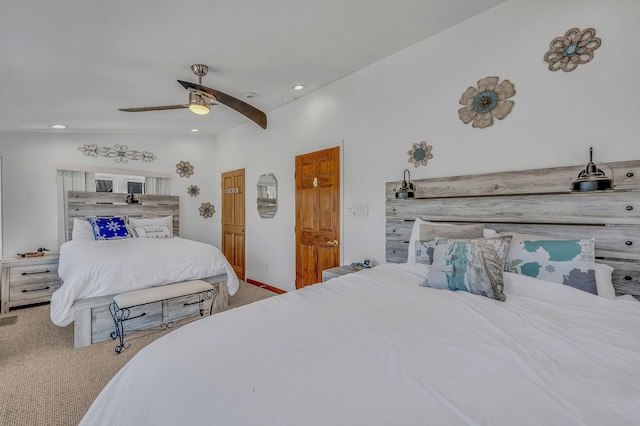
x=568 y=262
x=108 y=228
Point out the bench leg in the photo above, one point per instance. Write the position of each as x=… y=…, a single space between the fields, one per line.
x=119 y=316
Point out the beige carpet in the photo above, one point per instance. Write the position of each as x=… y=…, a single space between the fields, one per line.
x=44 y=381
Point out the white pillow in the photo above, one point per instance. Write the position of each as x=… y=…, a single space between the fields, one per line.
x=150 y=232
x=415 y=236
x=156 y=221
x=603 y=281
x=82 y=230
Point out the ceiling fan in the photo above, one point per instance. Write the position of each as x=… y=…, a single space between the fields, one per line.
x=202 y=97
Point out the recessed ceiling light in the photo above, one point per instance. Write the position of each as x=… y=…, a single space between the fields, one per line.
x=195 y=130
x=298 y=87
x=58 y=126
x=249 y=95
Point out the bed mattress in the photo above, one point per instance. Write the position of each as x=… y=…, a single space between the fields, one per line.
x=90 y=268
x=376 y=348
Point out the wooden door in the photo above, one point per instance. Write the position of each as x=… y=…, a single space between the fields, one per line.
x=233 y=235
x=317 y=214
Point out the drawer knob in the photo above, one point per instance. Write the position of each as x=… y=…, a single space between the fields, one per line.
x=629 y=174
x=628 y=243
x=628 y=277
x=629 y=208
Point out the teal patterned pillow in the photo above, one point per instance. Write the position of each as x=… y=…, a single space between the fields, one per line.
x=424 y=252
x=473 y=265
x=569 y=262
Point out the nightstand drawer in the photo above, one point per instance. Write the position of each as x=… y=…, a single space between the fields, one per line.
x=19 y=275
x=33 y=291
x=26 y=281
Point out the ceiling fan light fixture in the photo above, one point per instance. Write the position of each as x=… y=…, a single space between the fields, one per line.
x=198 y=104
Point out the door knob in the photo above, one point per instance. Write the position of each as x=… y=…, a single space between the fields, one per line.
x=333 y=243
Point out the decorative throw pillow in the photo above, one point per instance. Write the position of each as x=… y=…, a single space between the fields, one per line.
x=150 y=232
x=473 y=265
x=569 y=262
x=424 y=252
x=155 y=221
x=429 y=233
x=108 y=228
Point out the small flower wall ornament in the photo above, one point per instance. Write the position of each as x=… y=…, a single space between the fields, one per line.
x=574 y=48
x=207 y=210
x=487 y=101
x=420 y=154
x=193 y=191
x=184 y=169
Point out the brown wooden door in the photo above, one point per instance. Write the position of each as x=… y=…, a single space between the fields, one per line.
x=317 y=214
x=233 y=234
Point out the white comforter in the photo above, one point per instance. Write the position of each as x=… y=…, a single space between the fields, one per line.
x=90 y=268
x=375 y=348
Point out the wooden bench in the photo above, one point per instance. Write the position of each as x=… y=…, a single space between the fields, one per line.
x=137 y=310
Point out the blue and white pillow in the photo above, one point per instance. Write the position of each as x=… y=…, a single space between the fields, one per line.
x=109 y=228
x=472 y=265
x=569 y=262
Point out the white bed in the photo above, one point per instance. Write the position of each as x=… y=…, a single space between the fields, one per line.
x=90 y=268
x=376 y=348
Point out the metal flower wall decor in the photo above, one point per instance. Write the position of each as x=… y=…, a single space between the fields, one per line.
x=574 y=48
x=184 y=169
x=193 y=191
x=487 y=101
x=207 y=210
x=420 y=154
x=120 y=153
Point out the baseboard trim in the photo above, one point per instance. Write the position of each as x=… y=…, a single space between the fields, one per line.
x=265 y=286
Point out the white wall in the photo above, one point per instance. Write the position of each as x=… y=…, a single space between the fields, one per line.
x=29 y=187
x=412 y=96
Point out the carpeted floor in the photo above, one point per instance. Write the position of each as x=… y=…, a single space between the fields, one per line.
x=44 y=381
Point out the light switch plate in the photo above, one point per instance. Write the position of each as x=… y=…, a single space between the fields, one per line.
x=358 y=210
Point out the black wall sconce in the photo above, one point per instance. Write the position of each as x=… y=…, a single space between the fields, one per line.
x=131 y=199
x=592 y=178
x=407 y=189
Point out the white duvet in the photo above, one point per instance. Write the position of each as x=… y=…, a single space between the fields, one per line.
x=375 y=348
x=90 y=268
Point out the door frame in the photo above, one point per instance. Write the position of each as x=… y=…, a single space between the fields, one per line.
x=340 y=145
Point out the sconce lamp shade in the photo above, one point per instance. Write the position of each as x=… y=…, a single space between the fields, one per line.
x=591 y=178
x=407 y=189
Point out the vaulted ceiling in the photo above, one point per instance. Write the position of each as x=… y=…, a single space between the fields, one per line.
x=75 y=62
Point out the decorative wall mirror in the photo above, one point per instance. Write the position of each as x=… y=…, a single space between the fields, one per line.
x=267 y=196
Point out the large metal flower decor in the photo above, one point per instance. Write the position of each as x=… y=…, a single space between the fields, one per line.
x=574 y=48
x=488 y=100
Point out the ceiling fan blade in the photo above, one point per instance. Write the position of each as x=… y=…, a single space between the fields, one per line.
x=153 y=108
x=252 y=113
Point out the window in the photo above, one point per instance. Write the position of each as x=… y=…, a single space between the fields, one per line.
x=120 y=183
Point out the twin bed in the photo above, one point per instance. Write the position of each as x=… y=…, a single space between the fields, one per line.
x=383 y=346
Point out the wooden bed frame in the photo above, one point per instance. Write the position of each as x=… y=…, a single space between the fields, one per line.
x=92 y=319
x=535 y=201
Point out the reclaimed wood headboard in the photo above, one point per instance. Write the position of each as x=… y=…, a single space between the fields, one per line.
x=535 y=201
x=82 y=204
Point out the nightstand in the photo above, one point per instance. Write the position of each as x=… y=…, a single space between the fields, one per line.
x=28 y=280
x=338 y=271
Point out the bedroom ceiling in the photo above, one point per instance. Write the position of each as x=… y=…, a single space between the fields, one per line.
x=76 y=62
